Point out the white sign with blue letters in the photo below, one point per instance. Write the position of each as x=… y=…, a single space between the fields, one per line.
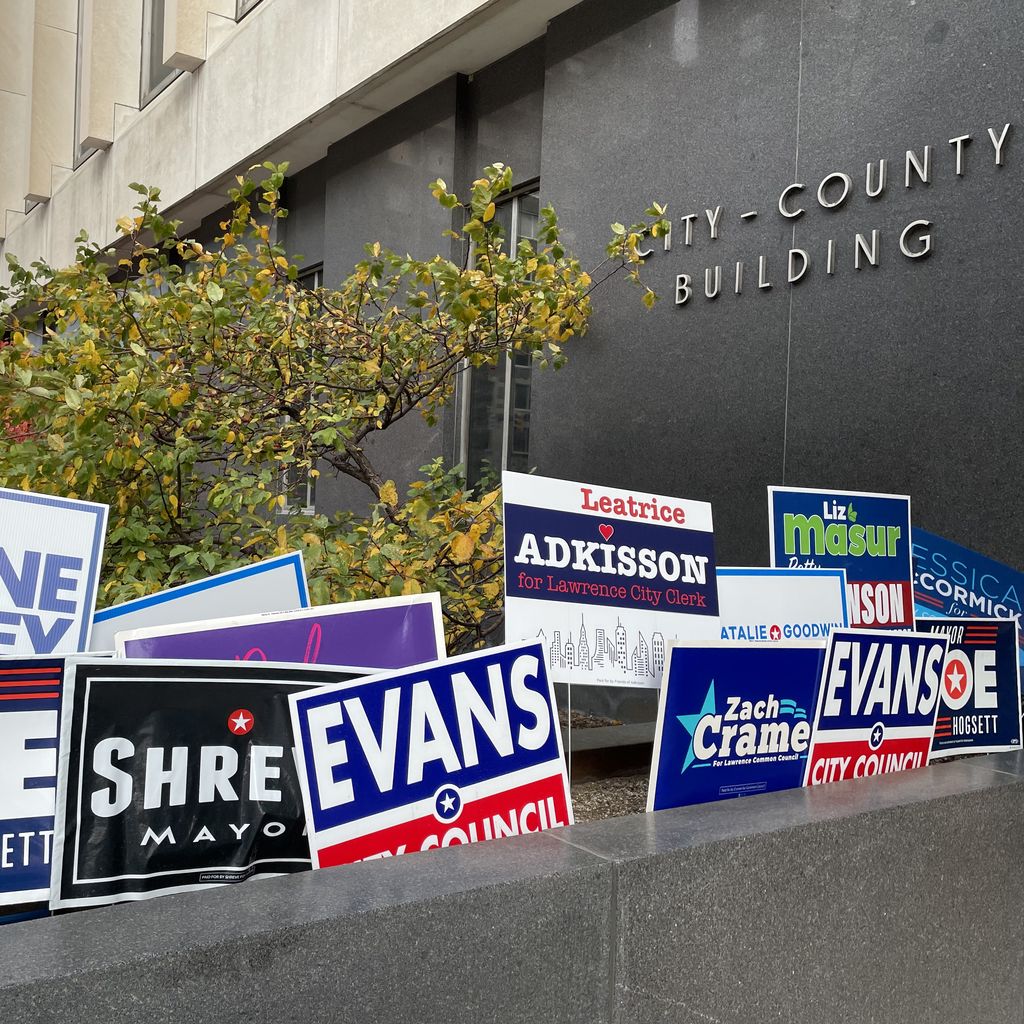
x=50 y=553
x=273 y=585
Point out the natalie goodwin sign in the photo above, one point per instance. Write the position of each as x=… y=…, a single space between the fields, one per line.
x=603 y=575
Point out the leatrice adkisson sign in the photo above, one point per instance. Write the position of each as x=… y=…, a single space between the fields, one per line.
x=439 y=755
x=606 y=577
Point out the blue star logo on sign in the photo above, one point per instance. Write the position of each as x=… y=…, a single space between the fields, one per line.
x=447 y=803
x=689 y=723
x=877 y=735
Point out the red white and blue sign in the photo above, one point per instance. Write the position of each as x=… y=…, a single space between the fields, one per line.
x=864 y=533
x=980 y=706
x=30 y=693
x=733 y=721
x=608 y=578
x=444 y=754
x=877 y=704
x=950 y=579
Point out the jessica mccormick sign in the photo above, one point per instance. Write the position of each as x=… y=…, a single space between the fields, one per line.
x=604 y=577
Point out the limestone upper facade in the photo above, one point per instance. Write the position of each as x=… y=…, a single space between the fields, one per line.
x=184 y=94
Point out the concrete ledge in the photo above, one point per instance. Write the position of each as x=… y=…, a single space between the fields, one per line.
x=887 y=899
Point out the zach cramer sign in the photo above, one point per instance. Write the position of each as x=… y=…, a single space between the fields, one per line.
x=733 y=721
x=606 y=576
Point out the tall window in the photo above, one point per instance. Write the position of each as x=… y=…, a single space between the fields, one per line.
x=155 y=77
x=496 y=399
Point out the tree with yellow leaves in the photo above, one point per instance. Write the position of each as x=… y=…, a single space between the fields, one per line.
x=176 y=383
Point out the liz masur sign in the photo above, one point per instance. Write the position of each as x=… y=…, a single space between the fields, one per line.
x=877 y=704
x=980 y=700
x=866 y=534
x=176 y=777
x=30 y=690
x=606 y=577
x=440 y=755
x=50 y=551
x=733 y=720
x=913 y=239
x=950 y=579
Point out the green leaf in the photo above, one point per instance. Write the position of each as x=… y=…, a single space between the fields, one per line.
x=214 y=291
x=72 y=398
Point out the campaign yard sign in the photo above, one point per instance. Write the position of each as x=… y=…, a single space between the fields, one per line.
x=877 y=704
x=866 y=534
x=391 y=632
x=273 y=585
x=733 y=720
x=50 y=552
x=980 y=705
x=30 y=690
x=607 y=578
x=777 y=605
x=950 y=579
x=176 y=777
x=439 y=755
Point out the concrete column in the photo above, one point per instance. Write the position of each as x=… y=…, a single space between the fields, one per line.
x=16 y=22
x=52 y=119
x=186 y=30
x=111 y=55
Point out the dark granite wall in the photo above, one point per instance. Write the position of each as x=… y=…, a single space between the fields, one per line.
x=905 y=377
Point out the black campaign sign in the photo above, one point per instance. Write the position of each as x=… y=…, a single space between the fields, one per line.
x=176 y=777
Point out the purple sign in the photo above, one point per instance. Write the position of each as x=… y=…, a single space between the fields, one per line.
x=393 y=632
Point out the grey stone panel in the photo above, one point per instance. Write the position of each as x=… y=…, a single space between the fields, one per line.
x=693 y=104
x=915 y=353
x=302 y=231
x=377 y=189
x=889 y=899
x=503 y=932
x=504 y=115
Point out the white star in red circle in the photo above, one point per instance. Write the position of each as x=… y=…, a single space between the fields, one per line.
x=954 y=680
x=240 y=722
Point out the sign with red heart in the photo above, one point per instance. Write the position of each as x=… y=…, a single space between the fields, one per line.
x=608 y=578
